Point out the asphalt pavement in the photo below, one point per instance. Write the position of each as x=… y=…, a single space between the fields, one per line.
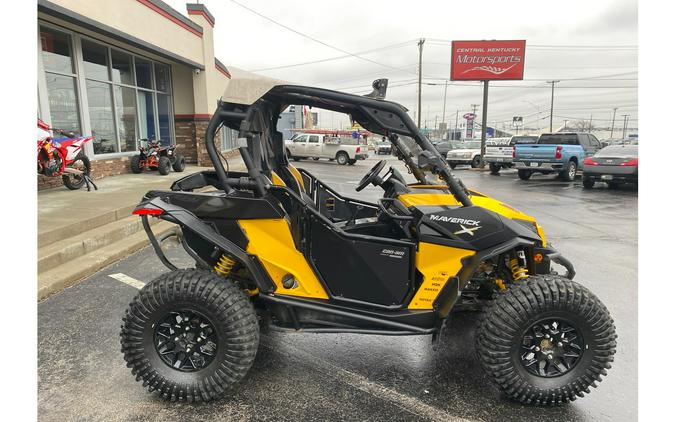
x=321 y=377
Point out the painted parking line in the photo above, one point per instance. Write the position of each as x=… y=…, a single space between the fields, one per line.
x=403 y=401
x=127 y=280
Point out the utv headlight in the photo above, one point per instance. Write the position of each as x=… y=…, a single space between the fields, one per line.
x=534 y=227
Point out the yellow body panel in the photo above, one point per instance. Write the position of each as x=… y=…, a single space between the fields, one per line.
x=416 y=199
x=437 y=263
x=276 y=180
x=298 y=177
x=271 y=241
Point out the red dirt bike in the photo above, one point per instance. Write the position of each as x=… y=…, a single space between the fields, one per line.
x=155 y=156
x=63 y=157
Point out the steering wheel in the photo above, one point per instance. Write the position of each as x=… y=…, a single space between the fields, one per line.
x=371 y=176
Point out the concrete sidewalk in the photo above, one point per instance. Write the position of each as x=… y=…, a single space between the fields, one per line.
x=80 y=232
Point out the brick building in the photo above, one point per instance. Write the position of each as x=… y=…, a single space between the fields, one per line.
x=126 y=70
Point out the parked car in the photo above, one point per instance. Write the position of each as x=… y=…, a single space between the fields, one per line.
x=500 y=155
x=443 y=147
x=309 y=145
x=467 y=152
x=560 y=152
x=383 y=147
x=614 y=165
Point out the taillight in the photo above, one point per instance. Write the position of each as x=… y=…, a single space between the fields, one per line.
x=632 y=163
x=589 y=162
x=513 y=154
x=558 y=152
x=148 y=211
x=358 y=149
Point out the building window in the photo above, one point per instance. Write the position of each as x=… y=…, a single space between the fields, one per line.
x=228 y=138
x=128 y=97
x=57 y=59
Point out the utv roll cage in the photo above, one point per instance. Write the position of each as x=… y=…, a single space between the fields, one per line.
x=264 y=150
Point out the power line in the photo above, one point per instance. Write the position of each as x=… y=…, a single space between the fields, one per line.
x=310 y=37
x=329 y=59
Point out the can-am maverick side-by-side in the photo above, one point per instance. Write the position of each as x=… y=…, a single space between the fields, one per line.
x=265 y=244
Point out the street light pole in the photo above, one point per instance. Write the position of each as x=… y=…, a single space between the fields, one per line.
x=445 y=98
x=550 y=128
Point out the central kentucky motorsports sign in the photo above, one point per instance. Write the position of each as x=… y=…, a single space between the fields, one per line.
x=487 y=60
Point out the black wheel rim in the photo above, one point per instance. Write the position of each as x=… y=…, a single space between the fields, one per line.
x=551 y=347
x=185 y=340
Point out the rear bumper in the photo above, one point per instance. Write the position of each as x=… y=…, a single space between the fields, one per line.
x=611 y=177
x=541 y=166
x=629 y=173
x=499 y=160
x=361 y=156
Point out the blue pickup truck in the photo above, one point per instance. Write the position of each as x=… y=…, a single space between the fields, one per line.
x=561 y=153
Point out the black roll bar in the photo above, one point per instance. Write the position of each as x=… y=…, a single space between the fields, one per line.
x=216 y=120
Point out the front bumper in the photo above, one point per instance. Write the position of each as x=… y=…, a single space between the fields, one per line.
x=459 y=160
x=552 y=255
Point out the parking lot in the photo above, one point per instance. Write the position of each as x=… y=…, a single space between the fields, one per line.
x=82 y=375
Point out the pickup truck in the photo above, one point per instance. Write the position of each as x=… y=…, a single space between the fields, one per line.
x=500 y=156
x=560 y=152
x=309 y=145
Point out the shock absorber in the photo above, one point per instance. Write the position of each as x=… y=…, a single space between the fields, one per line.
x=518 y=266
x=224 y=265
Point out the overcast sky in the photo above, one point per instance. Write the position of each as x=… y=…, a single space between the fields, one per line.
x=597 y=65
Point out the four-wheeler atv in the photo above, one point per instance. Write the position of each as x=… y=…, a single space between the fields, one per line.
x=276 y=247
x=156 y=156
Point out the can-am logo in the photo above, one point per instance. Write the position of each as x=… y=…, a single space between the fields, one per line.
x=436 y=217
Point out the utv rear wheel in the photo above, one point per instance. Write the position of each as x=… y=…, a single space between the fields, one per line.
x=546 y=341
x=342 y=158
x=178 y=164
x=76 y=181
x=524 y=174
x=163 y=165
x=494 y=168
x=190 y=335
x=136 y=164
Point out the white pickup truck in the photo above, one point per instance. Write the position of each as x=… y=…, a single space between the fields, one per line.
x=309 y=145
x=500 y=155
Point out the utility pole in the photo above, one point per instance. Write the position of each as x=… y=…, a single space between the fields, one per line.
x=473 y=125
x=590 y=124
x=550 y=127
x=565 y=129
x=435 y=122
x=456 y=123
x=611 y=133
x=420 y=44
x=625 y=125
x=445 y=97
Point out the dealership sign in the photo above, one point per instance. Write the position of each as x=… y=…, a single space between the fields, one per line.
x=487 y=60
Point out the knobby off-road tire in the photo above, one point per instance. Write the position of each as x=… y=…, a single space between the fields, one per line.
x=74 y=182
x=136 y=164
x=163 y=165
x=178 y=163
x=505 y=322
x=219 y=304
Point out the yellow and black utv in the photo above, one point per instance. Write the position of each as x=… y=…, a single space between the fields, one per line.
x=277 y=248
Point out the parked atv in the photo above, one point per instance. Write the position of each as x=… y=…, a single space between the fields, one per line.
x=155 y=156
x=276 y=247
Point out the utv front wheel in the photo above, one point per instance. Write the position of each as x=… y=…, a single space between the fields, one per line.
x=546 y=341
x=190 y=335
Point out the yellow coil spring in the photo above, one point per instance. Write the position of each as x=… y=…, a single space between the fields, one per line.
x=224 y=265
x=517 y=272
